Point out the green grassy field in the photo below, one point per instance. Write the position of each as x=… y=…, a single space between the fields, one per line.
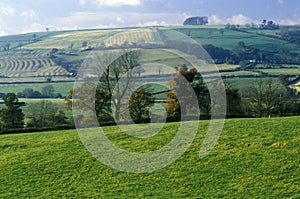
x=254 y=158
x=246 y=84
x=282 y=71
x=59 y=87
x=230 y=39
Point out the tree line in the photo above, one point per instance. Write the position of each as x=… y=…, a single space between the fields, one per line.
x=266 y=98
x=43 y=115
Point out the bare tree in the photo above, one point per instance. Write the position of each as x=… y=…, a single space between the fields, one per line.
x=117 y=78
x=264 y=97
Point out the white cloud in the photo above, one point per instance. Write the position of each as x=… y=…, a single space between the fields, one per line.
x=116 y=3
x=120 y=20
x=38 y=27
x=83 y=20
x=214 y=20
x=289 y=22
x=154 y=23
x=82 y=2
x=235 y=19
x=3 y=33
x=239 y=19
x=7 y=10
x=29 y=13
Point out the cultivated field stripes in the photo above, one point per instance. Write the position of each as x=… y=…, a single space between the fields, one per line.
x=139 y=36
x=52 y=71
x=11 y=67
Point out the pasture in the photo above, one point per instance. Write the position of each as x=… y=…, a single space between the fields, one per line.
x=230 y=38
x=32 y=60
x=254 y=158
x=59 y=87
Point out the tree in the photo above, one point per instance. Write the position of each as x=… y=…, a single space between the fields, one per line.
x=234 y=101
x=34 y=36
x=222 y=30
x=112 y=89
x=45 y=114
x=264 y=21
x=139 y=104
x=173 y=106
x=12 y=116
x=178 y=100
x=139 y=70
x=264 y=97
x=228 y=26
x=84 y=44
x=241 y=45
x=203 y=95
x=102 y=101
x=6 y=47
x=71 y=46
x=48 y=91
x=111 y=80
x=196 y=21
x=27 y=92
x=53 y=52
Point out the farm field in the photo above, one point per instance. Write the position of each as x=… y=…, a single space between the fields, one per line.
x=247 y=84
x=60 y=104
x=230 y=39
x=254 y=158
x=281 y=71
x=59 y=87
x=32 y=59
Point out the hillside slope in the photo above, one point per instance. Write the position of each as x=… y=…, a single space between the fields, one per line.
x=251 y=53
x=254 y=158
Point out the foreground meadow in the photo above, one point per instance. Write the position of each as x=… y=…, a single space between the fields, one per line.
x=254 y=158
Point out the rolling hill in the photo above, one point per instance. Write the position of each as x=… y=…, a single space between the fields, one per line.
x=34 y=57
x=254 y=158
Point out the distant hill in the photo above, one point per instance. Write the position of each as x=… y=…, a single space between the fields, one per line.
x=57 y=56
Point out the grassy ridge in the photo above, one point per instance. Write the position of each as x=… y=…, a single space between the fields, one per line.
x=254 y=158
x=230 y=39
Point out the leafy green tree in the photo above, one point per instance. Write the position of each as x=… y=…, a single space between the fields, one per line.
x=241 y=45
x=203 y=96
x=34 y=36
x=178 y=100
x=101 y=104
x=27 y=92
x=84 y=44
x=12 y=116
x=48 y=91
x=173 y=106
x=45 y=114
x=234 y=101
x=139 y=104
x=222 y=30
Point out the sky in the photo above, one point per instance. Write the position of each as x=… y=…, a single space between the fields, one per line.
x=23 y=16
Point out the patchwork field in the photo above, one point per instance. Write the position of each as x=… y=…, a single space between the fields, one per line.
x=31 y=57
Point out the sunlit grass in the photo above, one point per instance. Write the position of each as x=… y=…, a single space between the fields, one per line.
x=253 y=158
